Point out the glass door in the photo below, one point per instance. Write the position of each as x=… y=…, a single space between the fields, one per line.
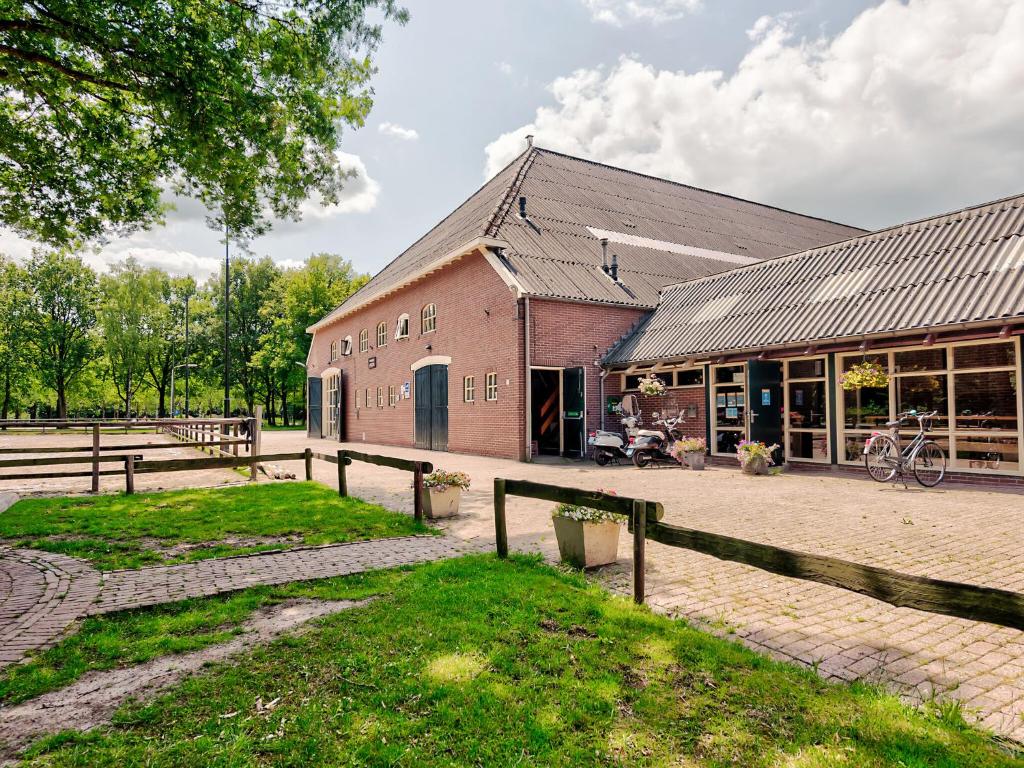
x=807 y=411
x=728 y=407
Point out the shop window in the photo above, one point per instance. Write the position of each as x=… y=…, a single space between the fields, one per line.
x=364 y=340
x=382 y=335
x=809 y=446
x=849 y=362
x=402 y=327
x=428 y=319
x=806 y=369
x=930 y=359
x=866 y=408
x=468 y=389
x=985 y=356
x=491 y=389
x=987 y=452
x=690 y=377
x=807 y=405
x=728 y=407
x=924 y=393
x=986 y=401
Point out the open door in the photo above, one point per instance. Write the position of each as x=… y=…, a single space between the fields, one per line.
x=314 y=406
x=764 y=387
x=574 y=416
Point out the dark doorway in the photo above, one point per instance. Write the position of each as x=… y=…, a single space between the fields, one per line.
x=764 y=387
x=314 y=400
x=545 y=395
x=432 y=407
x=573 y=415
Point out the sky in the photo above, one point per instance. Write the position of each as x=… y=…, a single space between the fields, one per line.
x=867 y=113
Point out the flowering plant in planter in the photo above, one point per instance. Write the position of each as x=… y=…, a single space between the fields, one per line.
x=865 y=375
x=687 y=445
x=651 y=386
x=442 y=481
x=755 y=457
x=587 y=537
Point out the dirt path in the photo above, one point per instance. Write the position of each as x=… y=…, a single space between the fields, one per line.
x=92 y=701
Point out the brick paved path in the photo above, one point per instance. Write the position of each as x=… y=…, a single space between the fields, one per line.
x=41 y=594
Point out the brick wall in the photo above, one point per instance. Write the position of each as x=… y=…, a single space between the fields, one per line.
x=478 y=326
x=566 y=335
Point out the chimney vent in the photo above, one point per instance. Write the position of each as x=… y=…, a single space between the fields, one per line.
x=522 y=207
x=614 y=270
x=604 y=254
x=529 y=140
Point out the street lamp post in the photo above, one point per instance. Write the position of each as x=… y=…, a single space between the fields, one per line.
x=186 y=366
x=227 y=283
x=187 y=297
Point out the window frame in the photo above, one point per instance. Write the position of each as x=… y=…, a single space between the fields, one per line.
x=346 y=346
x=392 y=396
x=333 y=356
x=364 y=340
x=491 y=387
x=469 y=389
x=382 y=334
x=380 y=397
x=403 y=320
x=817 y=432
x=425 y=317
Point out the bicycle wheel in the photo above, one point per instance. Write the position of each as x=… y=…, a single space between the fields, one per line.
x=881 y=458
x=929 y=464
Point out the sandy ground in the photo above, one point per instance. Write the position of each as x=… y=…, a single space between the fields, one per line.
x=27 y=441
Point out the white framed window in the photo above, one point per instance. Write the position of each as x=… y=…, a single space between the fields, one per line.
x=468 y=389
x=334 y=352
x=491 y=387
x=364 y=340
x=806 y=409
x=392 y=395
x=380 y=397
x=428 y=319
x=382 y=335
x=346 y=346
x=402 y=327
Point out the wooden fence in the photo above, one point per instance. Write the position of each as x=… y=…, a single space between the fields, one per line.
x=345 y=458
x=948 y=598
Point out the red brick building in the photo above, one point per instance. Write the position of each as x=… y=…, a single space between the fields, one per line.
x=487 y=335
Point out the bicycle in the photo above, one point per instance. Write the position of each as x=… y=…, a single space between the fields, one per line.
x=884 y=458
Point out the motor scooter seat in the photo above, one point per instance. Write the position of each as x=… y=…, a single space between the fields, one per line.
x=649 y=433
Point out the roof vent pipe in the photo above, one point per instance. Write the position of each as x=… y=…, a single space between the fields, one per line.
x=613 y=272
x=604 y=255
x=522 y=207
x=529 y=140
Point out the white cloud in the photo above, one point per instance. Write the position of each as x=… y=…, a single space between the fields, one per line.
x=505 y=68
x=913 y=109
x=358 y=196
x=618 y=12
x=399 y=132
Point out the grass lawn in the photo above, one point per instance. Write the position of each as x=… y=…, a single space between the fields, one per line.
x=477 y=661
x=176 y=526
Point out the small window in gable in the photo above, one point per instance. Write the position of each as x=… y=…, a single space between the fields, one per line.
x=346 y=346
x=382 y=335
x=402 y=327
x=428 y=319
x=364 y=340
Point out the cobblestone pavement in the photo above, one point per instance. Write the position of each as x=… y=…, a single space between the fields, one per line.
x=955 y=533
x=42 y=594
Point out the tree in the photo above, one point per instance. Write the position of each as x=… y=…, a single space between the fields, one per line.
x=60 y=316
x=239 y=103
x=131 y=313
x=302 y=296
x=15 y=371
x=169 y=336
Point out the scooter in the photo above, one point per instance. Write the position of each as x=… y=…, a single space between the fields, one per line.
x=655 y=446
x=610 y=446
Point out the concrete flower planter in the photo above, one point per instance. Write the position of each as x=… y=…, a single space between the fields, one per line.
x=755 y=466
x=695 y=460
x=587 y=545
x=438 y=504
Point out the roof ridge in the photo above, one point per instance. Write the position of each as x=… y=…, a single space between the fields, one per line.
x=891 y=230
x=502 y=208
x=699 y=189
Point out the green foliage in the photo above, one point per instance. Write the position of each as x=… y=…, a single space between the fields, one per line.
x=239 y=104
x=133 y=531
x=477 y=661
x=15 y=362
x=60 y=317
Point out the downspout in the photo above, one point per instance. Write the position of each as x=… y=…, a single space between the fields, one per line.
x=527 y=387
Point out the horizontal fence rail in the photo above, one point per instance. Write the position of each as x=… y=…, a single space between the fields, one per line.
x=345 y=457
x=948 y=598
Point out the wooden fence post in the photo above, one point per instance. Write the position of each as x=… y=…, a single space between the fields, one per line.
x=500 y=531
x=309 y=463
x=417 y=489
x=95 y=458
x=639 y=547
x=342 y=476
x=129 y=475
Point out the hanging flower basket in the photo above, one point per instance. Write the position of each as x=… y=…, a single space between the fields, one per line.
x=651 y=386
x=864 y=376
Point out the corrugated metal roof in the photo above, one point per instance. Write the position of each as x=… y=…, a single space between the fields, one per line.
x=566 y=195
x=960 y=267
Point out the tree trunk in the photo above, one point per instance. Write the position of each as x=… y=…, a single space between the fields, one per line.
x=62 y=401
x=284 y=404
x=5 y=406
